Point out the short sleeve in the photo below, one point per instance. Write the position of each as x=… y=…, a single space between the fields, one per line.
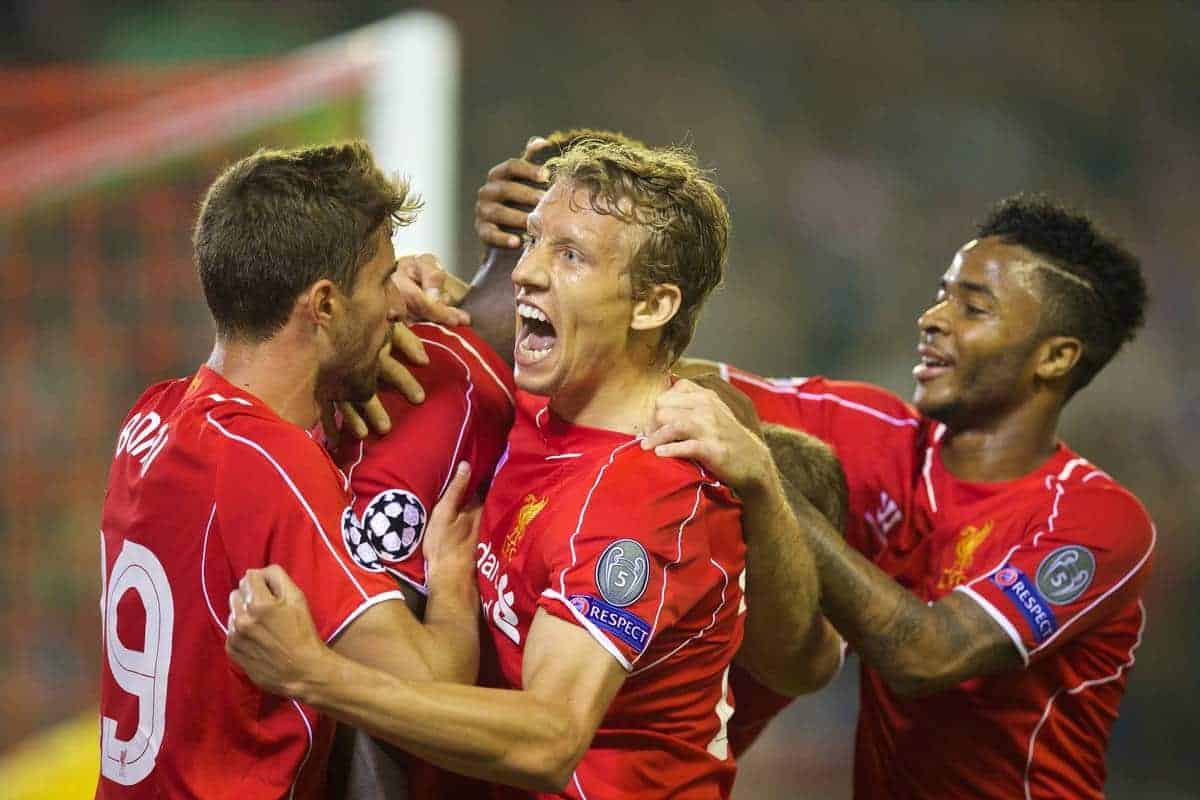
x=281 y=501
x=1065 y=577
x=633 y=567
x=838 y=412
x=859 y=421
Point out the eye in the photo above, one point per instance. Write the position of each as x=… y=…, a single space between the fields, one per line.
x=528 y=240
x=570 y=255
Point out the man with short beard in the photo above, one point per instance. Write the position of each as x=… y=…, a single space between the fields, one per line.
x=217 y=473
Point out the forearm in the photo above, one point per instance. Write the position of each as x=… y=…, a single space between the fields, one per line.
x=451 y=623
x=490 y=301
x=784 y=647
x=504 y=736
x=916 y=647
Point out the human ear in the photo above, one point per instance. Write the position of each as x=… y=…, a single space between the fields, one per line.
x=656 y=307
x=321 y=302
x=1057 y=356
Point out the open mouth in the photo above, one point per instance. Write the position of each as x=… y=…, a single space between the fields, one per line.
x=536 y=336
x=932 y=365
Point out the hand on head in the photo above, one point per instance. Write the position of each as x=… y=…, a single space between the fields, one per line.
x=503 y=203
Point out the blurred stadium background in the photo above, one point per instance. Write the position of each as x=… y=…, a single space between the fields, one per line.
x=857 y=142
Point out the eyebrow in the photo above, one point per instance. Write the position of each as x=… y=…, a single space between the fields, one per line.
x=970 y=286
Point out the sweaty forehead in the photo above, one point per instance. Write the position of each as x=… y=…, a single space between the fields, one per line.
x=1000 y=267
x=567 y=211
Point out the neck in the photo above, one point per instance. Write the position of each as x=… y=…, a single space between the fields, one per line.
x=623 y=402
x=275 y=371
x=1007 y=447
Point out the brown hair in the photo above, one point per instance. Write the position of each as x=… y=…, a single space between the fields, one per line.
x=277 y=221
x=809 y=468
x=666 y=192
x=560 y=142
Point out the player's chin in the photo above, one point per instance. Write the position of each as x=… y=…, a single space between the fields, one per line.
x=942 y=408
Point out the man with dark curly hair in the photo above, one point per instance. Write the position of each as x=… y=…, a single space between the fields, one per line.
x=990 y=577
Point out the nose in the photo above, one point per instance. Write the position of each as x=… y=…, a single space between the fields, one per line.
x=933 y=319
x=530 y=272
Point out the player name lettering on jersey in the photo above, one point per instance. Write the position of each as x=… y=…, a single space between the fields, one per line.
x=144 y=435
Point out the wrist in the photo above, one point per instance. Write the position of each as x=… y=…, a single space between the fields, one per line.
x=315 y=672
x=762 y=478
x=450 y=573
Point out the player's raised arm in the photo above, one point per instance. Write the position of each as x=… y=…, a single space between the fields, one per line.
x=532 y=738
x=787 y=646
x=512 y=189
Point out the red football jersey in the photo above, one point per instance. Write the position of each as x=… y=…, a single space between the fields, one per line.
x=1057 y=558
x=396 y=479
x=207 y=482
x=644 y=553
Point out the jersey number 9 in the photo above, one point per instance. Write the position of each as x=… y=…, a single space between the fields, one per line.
x=142 y=673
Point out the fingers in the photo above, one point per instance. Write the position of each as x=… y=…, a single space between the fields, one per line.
x=454 y=289
x=353 y=420
x=491 y=236
x=505 y=200
x=396 y=374
x=518 y=169
x=456 y=492
x=430 y=307
x=668 y=432
x=409 y=345
x=420 y=280
x=377 y=415
x=691 y=449
x=424 y=268
x=534 y=144
x=274 y=579
x=500 y=214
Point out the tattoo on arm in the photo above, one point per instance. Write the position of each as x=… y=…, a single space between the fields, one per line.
x=916 y=647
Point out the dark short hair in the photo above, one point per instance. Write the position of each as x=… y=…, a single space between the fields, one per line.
x=277 y=221
x=1094 y=290
x=664 y=191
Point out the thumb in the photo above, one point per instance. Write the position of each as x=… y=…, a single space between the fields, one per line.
x=456 y=492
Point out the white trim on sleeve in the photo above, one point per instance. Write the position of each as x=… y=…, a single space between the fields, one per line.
x=395 y=594
x=1081 y=613
x=1003 y=621
x=587 y=624
x=400 y=576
